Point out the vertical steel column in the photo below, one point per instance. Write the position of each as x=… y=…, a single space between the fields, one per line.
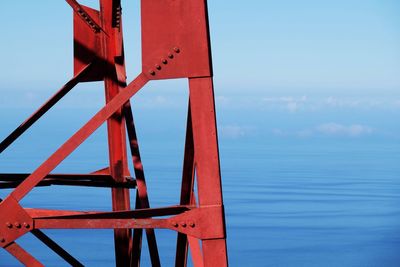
x=116 y=129
x=207 y=161
x=187 y=191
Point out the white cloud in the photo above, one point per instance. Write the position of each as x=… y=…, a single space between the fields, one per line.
x=234 y=131
x=396 y=103
x=222 y=100
x=279 y=132
x=291 y=104
x=328 y=129
x=317 y=103
x=305 y=133
x=344 y=130
x=355 y=102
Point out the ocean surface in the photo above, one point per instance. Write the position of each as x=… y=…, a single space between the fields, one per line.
x=289 y=201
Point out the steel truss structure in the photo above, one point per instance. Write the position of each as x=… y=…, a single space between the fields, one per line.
x=175 y=44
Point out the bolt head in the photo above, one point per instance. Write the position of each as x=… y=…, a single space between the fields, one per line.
x=183 y=224
x=192 y=224
x=175 y=224
x=17 y=224
x=177 y=50
x=9 y=225
x=152 y=72
x=27 y=225
x=2 y=240
x=171 y=56
x=164 y=61
x=158 y=67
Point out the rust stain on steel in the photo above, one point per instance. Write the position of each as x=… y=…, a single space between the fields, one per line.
x=175 y=44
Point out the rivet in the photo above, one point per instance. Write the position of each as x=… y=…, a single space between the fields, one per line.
x=158 y=67
x=191 y=224
x=17 y=224
x=9 y=225
x=175 y=224
x=164 y=61
x=152 y=72
x=183 y=224
x=27 y=225
x=171 y=56
x=177 y=50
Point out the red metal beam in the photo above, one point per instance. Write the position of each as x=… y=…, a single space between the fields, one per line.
x=203 y=223
x=115 y=128
x=23 y=256
x=129 y=214
x=44 y=108
x=207 y=161
x=81 y=135
x=90 y=180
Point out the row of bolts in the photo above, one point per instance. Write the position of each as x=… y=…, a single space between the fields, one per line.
x=27 y=226
x=164 y=61
x=88 y=20
x=93 y=25
x=183 y=224
x=17 y=225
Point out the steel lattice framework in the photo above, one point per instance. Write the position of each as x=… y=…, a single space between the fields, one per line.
x=175 y=44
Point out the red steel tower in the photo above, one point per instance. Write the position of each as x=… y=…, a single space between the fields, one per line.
x=175 y=44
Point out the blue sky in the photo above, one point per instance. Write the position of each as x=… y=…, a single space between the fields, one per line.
x=282 y=68
x=308 y=44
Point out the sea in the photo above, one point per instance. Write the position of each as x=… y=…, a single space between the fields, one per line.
x=290 y=200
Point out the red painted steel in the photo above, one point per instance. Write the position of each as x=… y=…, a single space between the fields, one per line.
x=23 y=256
x=87 y=43
x=44 y=108
x=175 y=44
x=175 y=38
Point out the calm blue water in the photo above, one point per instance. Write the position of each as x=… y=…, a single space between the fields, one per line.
x=289 y=202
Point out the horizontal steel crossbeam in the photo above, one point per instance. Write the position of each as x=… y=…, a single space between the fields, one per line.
x=12 y=180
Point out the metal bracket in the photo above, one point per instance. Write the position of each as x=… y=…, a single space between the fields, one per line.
x=14 y=221
x=88 y=47
x=203 y=223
